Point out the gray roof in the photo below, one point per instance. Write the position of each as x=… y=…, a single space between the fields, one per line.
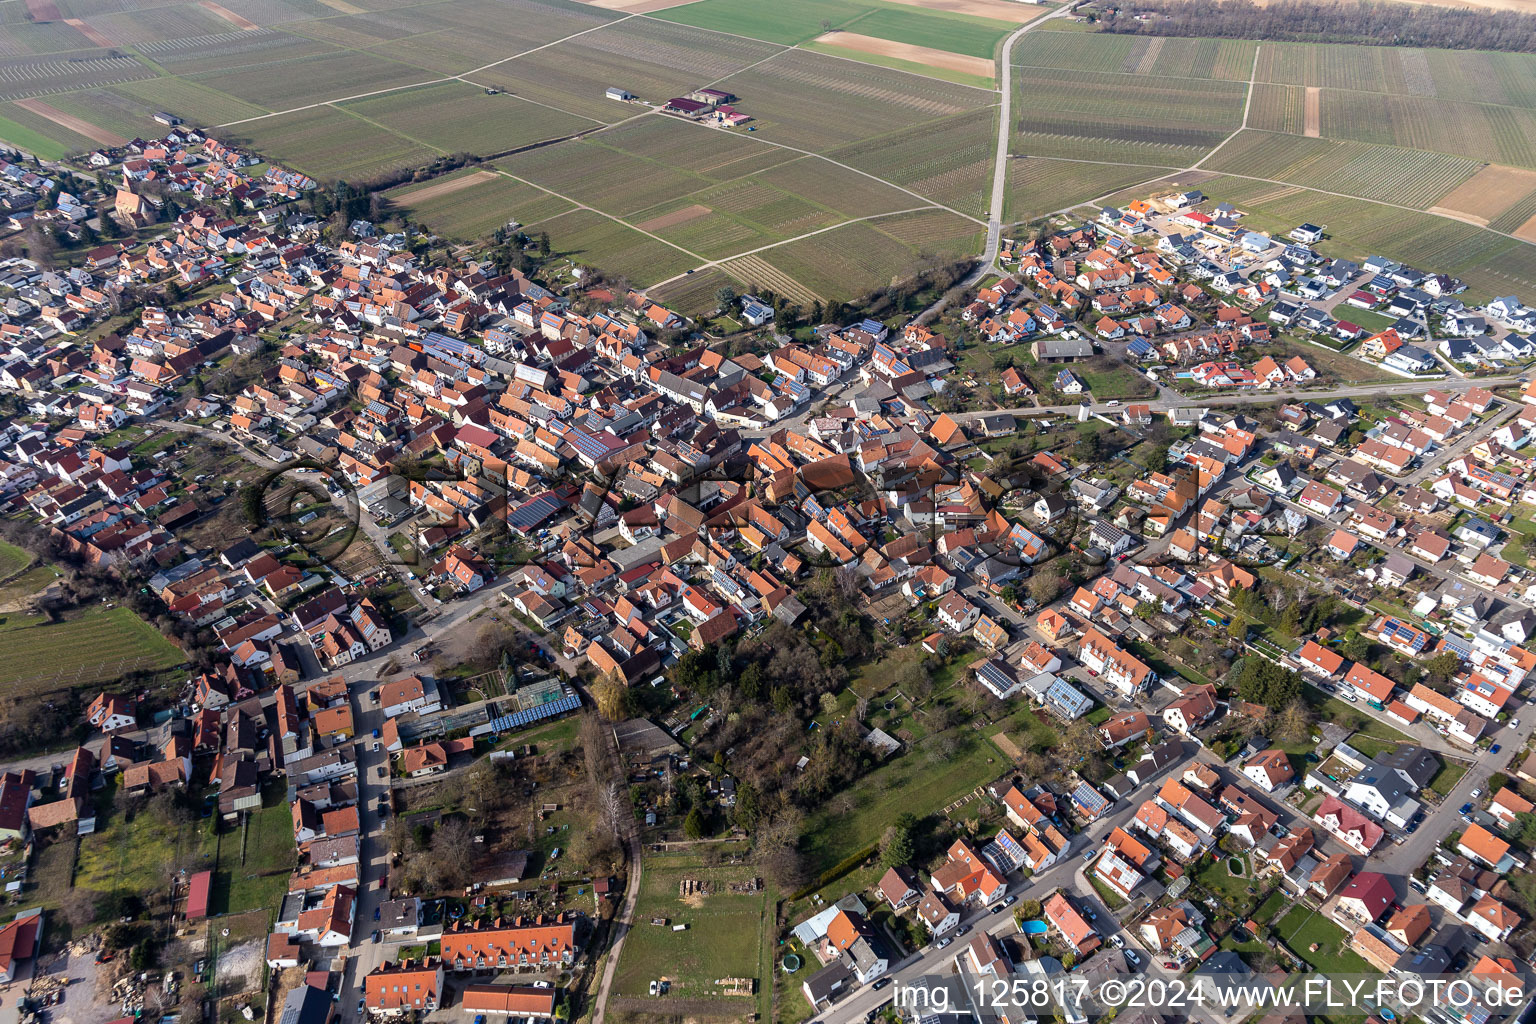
x=305 y=1005
x=1412 y=761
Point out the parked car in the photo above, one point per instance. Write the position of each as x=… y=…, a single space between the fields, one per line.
x=1476 y=793
x=1514 y=723
x=1466 y=808
x=1132 y=958
x=877 y=986
x=946 y=940
x=1495 y=748
x=1117 y=942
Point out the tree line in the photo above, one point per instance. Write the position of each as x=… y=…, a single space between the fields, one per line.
x=1367 y=22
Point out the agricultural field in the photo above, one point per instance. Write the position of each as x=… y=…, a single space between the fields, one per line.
x=1171 y=122
x=472 y=204
x=651 y=59
x=1038 y=186
x=694 y=294
x=791 y=94
x=456 y=118
x=1497 y=134
x=90 y=647
x=973 y=71
x=593 y=239
x=301 y=82
x=329 y=143
x=45 y=76
x=1390 y=174
x=861 y=257
x=949 y=162
x=792 y=22
x=1227 y=59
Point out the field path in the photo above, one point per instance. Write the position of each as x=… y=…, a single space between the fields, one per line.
x=1314 y=126
x=78 y=125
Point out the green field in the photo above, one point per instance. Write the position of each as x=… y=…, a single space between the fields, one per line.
x=12 y=560
x=593 y=239
x=1228 y=59
x=956 y=33
x=1304 y=926
x=1038 y=186
x=98 y=645
x=791 y=94
x=897 y=786
x=723 y=938
x=38 y=135
x=897 y=64
x=799 y=21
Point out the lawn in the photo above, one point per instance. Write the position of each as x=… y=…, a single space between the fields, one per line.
x=902 y=784
x=1304 y=926
x=133 y=848
x=1218 y=878
x=12 y=560
x=259 y=881
x=1368 y=318
x=99 y=645
x=723 y=938
x=1117 y=382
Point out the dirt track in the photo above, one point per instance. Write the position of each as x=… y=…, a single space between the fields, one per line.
x=906 y=51
x=447 y=188
x=78 y=125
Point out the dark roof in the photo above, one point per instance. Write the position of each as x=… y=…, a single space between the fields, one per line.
x=305 y=1005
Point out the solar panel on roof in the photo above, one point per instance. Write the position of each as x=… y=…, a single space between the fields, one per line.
x=521 y=718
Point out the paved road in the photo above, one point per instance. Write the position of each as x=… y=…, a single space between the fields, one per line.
x=1463 y=444
x=1004 y=132
x=931 y=960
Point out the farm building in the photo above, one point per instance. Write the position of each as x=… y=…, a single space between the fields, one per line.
x=710 y=97
x=622 y=95
x=684 y=105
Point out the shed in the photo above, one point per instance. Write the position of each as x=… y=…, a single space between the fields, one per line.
x=197 y=895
